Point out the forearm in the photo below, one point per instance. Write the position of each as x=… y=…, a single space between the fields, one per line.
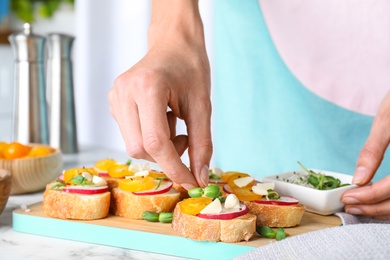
x=175 y=21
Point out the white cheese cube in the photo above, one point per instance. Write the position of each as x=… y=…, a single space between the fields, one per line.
x=242 y=182
x=99 y=181
x=217 y=171
x=266 y=186
x=232 y=202
x=260 y=191
x=214 y=207
x=142 y=173
x=87 y=176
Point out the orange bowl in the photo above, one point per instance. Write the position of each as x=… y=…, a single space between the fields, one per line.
x=31 y=174
x=5 y=187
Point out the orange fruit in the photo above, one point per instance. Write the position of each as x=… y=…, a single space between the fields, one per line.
x=38 y=151
x=15 y=150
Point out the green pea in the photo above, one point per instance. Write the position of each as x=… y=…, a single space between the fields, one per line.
x=165 y=217
x=212 y=191
x=150 y=216
x=280 y=234
x=265 y=231
x=195 y=192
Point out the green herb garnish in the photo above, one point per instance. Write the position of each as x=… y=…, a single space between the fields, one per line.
x=272 y=195
x=57 y=185
x=79 y=180
x=213 y=176
x=321 y=181
x=160 y=179
x=128 y=162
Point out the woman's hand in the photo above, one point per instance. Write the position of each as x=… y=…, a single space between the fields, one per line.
x=174 y=75
x=373 y=200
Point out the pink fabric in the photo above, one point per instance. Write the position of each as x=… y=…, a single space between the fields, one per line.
x=338 y=49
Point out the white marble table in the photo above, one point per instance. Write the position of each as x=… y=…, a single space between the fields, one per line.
x=17 y=245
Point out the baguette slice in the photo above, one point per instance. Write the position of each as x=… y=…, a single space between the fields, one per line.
x=67 y=205
x=183 y=191
x=111 y=182
x=128 y=205
x=229 y=231
x=276 y=215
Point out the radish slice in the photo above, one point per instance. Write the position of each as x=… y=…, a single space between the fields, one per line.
x=283 y=201
x=103 y=174
x=226 y=215
x=61 y=177
x=165 y=186
x=227 y=189
x=86 y=189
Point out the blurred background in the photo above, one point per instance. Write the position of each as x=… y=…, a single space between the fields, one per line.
x=111 y=36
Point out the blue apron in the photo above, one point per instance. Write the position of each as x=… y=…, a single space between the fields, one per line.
x=265 y=120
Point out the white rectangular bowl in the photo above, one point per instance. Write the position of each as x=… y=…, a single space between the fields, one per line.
x=323 y=202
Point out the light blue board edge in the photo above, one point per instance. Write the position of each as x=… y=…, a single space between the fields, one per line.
x=126 y=238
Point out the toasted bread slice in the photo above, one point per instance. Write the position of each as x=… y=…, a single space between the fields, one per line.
x=276 y=215
x=183 y=191
x=128 y=205
x=230 y=231
x=111 y=182
x=66 y=205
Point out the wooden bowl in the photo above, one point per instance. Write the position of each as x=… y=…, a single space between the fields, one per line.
x=33 y=173
x=5 y=187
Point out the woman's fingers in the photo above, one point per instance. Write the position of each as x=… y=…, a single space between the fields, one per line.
x=156 y=136
x=199 y=139
x=374 y=149
x=372 y=200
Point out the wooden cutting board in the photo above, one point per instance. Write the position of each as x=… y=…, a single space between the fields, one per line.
x=147 y=236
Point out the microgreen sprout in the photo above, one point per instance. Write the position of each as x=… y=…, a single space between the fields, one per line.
x=321 y=181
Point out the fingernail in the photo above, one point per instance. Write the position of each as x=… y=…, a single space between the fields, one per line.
x=204 y=175
x=350 y=200
x=354 y=211
x=187 y=186
x=360 y=175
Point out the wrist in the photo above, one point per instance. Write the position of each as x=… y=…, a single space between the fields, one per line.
x=175 y=21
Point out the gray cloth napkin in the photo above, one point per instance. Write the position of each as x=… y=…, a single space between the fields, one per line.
x=357 y=238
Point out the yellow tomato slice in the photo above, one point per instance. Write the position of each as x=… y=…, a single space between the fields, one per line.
x=246 y=194
x=226 y=175
x=90 y=170
x=137 y=183
x=119 y=171
x=70 y=173
x=157 y=174
x=237 y=176
x=194 y=206
x=105 y=164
